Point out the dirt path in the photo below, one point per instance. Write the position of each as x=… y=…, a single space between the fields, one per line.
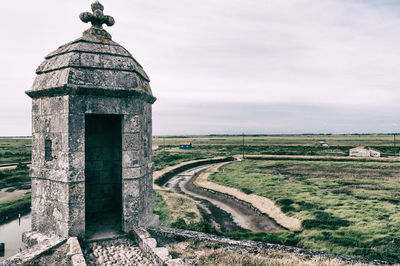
x=5 y=196
x=242 y=215
x=263 y=204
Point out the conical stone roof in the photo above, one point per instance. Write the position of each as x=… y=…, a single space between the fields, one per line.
x=92 y=65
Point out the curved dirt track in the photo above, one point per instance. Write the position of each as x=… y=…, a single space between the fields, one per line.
x=225 y=213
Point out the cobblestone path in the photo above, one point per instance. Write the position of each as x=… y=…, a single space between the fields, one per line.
x=115 y=252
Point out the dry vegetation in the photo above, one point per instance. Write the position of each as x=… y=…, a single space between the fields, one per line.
x=210 y=253
x=347 y=208
x=172 y=207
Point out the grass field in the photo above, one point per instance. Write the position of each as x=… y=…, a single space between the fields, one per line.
x=11 y=208
x=345 y=207
x=15 y=179
x=282 y=140
x=15 y=150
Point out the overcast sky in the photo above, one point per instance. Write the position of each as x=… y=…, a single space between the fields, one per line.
x=228 y=66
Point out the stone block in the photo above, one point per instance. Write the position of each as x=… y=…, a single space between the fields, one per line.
x=131 y=124
x=64 y=145
x=76 y=193
x=150 y=242
x=36 y=108
x=61 y=228
x=45 y=106
x=37 y=142
x=59 y=123
x=76 y=161
x=37 y=171
x=56 y=191
x=37 y=123
x=37 y=205
x=130 y=189
x=54 y=105
x=162 y=253
x=102 y=105
x=76 y=141
x=38 y=158
x=78 y=260
x=141 y=233
x=57 y=140
x=77 y=104
x=130 y=173
x=76 y=123
x=133 y=106
x=74 y=247
x=131 y=141
x=60 y=160
x=46 y=225
x=59 y=104
x=131 y=159
x=76 y=220
x=76 y=175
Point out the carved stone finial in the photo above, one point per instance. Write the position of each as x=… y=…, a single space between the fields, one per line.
x=97 y=19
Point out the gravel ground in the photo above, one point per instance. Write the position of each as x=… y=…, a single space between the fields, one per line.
x=115 y=252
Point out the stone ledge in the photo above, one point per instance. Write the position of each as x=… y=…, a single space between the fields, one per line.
x=75 y=254
x=25 y=257
x=166 y=235
x=82 y=90
x=148 y=245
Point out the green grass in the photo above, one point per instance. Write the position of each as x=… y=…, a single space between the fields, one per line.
x=163 y=159
x=17 y=178
x=14 y=150
x=349 y=208
x=161 y=209
x=281 y=140
x=10 y=209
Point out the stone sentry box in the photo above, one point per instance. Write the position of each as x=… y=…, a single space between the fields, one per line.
x=91 y=129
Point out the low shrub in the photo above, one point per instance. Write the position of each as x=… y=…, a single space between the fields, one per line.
x=324 y=220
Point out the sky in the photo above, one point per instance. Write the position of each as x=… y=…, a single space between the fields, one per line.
x=228 y=66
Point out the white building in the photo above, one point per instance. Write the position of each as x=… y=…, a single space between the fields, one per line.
x=364 y=152
x=374 y=153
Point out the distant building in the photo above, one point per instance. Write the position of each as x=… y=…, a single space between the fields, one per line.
x=185 y=145
x=323 y=144
x=364 y=152
x=154 y=146
x=374 y=153
x=359 y=152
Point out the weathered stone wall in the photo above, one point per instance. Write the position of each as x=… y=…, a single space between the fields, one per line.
x=49 y=172
x=58 y=185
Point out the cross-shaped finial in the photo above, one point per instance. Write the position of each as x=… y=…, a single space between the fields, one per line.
x=97 y=19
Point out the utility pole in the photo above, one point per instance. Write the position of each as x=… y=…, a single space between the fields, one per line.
x=243 y=147
x=394 y=140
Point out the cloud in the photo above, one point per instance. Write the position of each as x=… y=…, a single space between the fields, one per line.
x=236 y=118
x=333 y=53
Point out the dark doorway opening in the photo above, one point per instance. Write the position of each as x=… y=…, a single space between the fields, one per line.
x=103 y=172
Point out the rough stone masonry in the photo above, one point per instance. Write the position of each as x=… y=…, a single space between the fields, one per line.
x=91 y=129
